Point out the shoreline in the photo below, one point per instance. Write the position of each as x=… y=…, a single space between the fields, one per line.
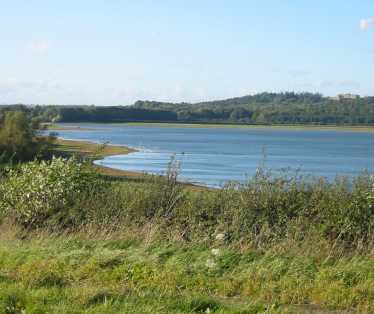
x=68 y=148
x=57 y=127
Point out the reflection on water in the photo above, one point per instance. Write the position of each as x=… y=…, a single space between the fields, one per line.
x=214 y=155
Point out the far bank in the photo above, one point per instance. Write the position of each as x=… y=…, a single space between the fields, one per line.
x=78 y=126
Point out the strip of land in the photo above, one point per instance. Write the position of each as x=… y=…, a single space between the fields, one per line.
x=53 y=127
x=67 y=148
x=57 y=127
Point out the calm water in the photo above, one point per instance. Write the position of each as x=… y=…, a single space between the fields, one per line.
x=215 y=155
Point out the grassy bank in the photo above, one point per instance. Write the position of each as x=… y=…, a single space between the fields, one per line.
x=74 y=242
x=134 y=271
x=66 y=149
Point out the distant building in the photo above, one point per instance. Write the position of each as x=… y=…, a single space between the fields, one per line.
x=338 y=97
x=351 y=96
x=345 y=96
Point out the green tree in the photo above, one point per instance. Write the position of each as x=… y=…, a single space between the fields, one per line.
x=21 y=138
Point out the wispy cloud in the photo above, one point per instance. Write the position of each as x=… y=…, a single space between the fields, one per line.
x=176 y=94
x=237 y=39
x=59 y=73
x=323 y=83
x=136 y=78
x=38 y=48
x=154 y=33
x=202 y=93
x=274 y=70
x=297 y=73
x=366 y=24
x=255 y=91
x=345 y=83
x=315 y=83
x=128 y=93
x=15 y=91
x=182 y=65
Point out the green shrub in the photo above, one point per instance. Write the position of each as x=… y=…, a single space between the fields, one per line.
x=37 y=190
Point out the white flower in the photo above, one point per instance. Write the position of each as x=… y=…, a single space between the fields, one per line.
x=216 y=251
x=220 y=236
x=210 y=263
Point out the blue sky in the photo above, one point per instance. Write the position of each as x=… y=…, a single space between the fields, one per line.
x=117 y=52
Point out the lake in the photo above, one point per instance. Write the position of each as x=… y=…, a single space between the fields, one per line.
x=215 y=155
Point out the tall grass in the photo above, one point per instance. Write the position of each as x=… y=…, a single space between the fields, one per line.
x=145 y=247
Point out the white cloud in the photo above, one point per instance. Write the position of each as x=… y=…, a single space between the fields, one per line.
x=255 y=91
x=38 y=48
x=172 y=95
x=366 y=24
x=59 y=73
x=135 y=78
x=15 y=91
x=323 y=83
x=345 y=83
x=275 y=70
x=316 y=83
x=238 y=93
x=10 y=81
x=297 y=73
x=154 y=33
x=202 y=93
x=126 y=94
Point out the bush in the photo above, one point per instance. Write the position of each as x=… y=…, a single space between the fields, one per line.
x=37 y=190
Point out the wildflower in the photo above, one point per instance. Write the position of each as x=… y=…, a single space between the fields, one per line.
x=216 y=251
x=210 y=263
x=221 y=236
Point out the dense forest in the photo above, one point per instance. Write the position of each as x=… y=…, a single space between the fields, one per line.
x=263 y=108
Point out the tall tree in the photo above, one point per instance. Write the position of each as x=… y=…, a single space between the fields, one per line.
x=21 y=138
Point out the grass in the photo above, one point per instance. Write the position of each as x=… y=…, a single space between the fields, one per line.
x=293 y=244
x=131 y=271
x=84 y=149
x=66 y=149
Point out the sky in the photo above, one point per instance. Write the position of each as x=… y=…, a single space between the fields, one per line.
x=117 y=52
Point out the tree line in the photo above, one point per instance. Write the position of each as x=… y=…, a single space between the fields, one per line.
x=263 y=108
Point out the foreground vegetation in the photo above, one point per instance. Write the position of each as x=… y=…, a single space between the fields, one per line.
x=74 y=242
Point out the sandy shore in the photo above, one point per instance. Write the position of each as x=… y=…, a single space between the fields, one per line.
x=83 y=149
x=53 y=127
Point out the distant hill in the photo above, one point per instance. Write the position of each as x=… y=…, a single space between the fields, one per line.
x=273 y=108
x=263 y=108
